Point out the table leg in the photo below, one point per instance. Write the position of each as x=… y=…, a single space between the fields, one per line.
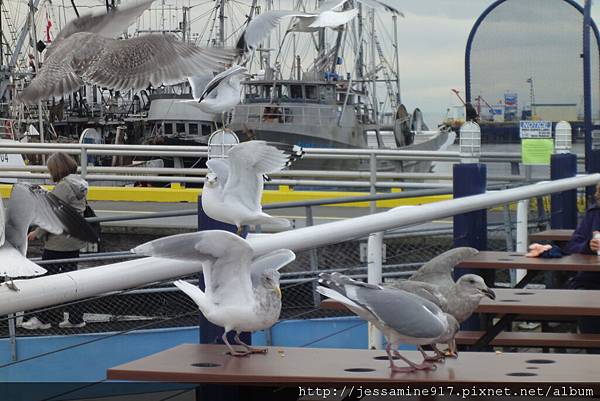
x=493 y=331
x=527 y=278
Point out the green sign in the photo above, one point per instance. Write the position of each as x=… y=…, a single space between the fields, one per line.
x=537 y=151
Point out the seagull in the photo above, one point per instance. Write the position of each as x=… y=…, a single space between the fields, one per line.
x=33 y=205
x=402 y=317
x=433 y=281
x=242 y=292
x=220 y=94
x=86 y=51
x=233 y=188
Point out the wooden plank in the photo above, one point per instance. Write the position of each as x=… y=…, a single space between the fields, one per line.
x=286 y=366
x=551 y=235
x=514 y=260
x=533 y=339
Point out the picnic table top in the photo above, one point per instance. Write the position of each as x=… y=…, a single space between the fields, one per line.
x=551 y=235
x=509 y=260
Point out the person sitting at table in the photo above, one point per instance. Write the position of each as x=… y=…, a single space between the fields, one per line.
x=583 y=241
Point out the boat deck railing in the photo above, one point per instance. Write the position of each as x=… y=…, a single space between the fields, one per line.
x=285 y=113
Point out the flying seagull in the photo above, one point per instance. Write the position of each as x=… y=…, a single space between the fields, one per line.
x=33 y=205
x=220 y=94
x=434 y=282
x=233 y=188
x=402 y=317
x=86 y=51
x=242 y=292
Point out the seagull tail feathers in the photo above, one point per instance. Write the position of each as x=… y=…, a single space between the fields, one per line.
x=195 y=294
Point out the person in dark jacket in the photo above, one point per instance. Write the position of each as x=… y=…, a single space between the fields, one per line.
x=72 y=189
x=583 y=241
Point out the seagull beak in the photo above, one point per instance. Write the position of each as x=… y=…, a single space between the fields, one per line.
x=488 y=292
x=278 y=291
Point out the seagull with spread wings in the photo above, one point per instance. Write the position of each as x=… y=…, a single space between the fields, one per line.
x=233 y=188
x=33 y=205
x=86 y=51
x=242 y=292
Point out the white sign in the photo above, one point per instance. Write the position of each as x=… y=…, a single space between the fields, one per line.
x=535 y=129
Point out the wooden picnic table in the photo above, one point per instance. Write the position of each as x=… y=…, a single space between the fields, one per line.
x=284 y=366
x=514 y=260
x=551 y=235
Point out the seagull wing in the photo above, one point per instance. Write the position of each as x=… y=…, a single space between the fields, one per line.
x=108 y=25
x=260 y=26
x=248 y=161
x=14 y=264
x=56 y=77
x=379 y=4
x=227 y=259
x=331 y=19
x=33 y=205
x=198 y=84
x=271 y=261
x=404 y=312
x=213 y=83
x=122 y=64
x=438 y=270
x=221 y=168
x=428 y=291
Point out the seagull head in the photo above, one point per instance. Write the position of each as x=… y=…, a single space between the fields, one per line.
x=270 y=280
x=211 y=179
x=473 y=285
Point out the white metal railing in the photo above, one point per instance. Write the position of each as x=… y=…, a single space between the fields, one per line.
x=92 y=281
x=371 y=178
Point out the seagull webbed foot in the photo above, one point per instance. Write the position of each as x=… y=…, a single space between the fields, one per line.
x=249 y=349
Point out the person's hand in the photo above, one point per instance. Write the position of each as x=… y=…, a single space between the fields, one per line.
x=595 y=242
x=31 y=236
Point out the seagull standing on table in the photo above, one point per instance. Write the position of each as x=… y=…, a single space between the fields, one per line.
x=86 y=52
x=233 y=188
x=402 y=317
x=434 y=282
x=33 y=205
x=242 y=292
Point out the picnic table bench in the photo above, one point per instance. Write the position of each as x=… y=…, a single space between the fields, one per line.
x=551 y=235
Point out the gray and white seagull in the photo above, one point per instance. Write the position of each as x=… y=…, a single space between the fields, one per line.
x=402 y=317
x=434 y=282
x=86 y=51
x=33 y=205
x=242 y=292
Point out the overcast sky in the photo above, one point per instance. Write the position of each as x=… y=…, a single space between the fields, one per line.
x=432 y=43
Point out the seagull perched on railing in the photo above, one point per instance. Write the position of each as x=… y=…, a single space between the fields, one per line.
x=233 y=188
x=242 y=292
x=86 y=51
x=33 y=205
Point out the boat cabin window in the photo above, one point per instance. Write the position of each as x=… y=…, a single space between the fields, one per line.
x=327 y=93
x=311 y=92
x=296 y=91
x=193 y=128
x=206 y=129
x=267 y=91
x=180 y=128
x=168 y=128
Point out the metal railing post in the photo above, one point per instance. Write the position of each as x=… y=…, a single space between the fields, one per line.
x=313 y=258
x=373 y=180
x=83 y=161
x=12 y=332
x=374 y=276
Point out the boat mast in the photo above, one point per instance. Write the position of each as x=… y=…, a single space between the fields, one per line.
x=374 y=80
x=396 y=48
x=37 y=69
x=1 y=34
x=222 y=24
